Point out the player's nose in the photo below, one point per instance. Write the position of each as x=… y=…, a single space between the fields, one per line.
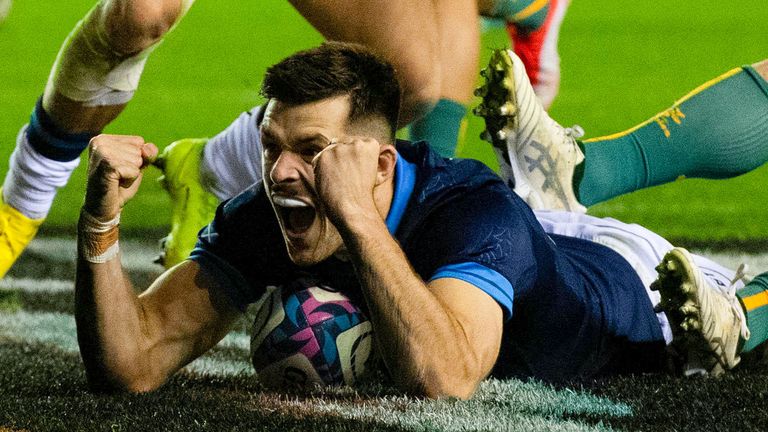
x=286 y=167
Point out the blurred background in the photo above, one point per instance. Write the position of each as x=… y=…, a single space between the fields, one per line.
x=622 y=62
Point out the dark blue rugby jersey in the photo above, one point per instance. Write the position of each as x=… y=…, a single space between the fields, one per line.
x=570 y=306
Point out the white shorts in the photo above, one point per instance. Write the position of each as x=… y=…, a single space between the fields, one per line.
x=642 y=248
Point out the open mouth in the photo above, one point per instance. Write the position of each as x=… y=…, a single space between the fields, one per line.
x=297 y=215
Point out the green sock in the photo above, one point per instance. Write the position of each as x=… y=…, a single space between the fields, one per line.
x=440 y=127
x=754 y=297
x=527 y=15
x=717 y=131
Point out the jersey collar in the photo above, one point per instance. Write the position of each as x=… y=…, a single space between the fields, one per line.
x=405 y=179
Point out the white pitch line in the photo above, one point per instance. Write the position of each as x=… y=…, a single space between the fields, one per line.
x=137 y=256
x=51 y=328
x=31 y=285
x=758 y=263
x=59 y=330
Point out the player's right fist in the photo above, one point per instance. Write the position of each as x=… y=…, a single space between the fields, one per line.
x=115 y=165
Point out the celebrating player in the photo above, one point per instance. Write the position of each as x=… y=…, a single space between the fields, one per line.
x=461 y=280
x=434 y=46
x=543 y=161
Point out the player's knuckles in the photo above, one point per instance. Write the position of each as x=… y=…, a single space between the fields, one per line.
x=110 y=144
x=127 y=172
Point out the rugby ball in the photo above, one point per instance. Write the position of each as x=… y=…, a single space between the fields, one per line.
x=306 y=333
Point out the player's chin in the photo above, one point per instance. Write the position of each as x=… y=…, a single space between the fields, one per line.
x=311 y=249
x=302 y=258
x=302 y=249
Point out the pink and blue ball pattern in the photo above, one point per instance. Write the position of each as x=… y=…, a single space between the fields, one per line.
x=311 y=327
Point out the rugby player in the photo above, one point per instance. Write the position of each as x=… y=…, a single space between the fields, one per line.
x=433 y=45
x=544 y=162
x=460 y=278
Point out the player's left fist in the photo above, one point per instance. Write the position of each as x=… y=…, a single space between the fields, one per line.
x=115 y=165
x=345 y=176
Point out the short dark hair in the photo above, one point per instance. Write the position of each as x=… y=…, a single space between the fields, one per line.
x=337 y=69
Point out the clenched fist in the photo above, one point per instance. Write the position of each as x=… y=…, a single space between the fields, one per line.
x=346 y=174
x=115 y=166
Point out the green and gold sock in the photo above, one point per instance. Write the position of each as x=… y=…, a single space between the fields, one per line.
x=717 y=131
x=441 y=127
x=527 y=15
x=754 y=298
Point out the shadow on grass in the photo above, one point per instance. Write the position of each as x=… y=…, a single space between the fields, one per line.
x=42 y=388
x=660 y=402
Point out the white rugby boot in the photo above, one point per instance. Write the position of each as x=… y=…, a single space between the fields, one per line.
x=537 y=156
x=707 y=323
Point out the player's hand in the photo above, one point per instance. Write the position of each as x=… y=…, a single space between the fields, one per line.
x=345 y=175
x=115 y=165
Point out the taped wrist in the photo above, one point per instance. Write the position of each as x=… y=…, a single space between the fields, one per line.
x=97 y=240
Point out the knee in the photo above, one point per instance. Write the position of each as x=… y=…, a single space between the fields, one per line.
x=133 y=25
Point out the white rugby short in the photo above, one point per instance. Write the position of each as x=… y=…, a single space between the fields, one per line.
x=642 y=248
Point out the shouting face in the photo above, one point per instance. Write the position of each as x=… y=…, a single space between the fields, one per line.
x=292 y=135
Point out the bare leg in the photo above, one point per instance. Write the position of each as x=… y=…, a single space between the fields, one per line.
x=127 y=28
x=459 y=40
x=94 y=76
x=762 y=68
x=404 y=32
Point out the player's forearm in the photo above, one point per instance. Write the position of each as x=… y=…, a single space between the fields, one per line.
x=108 y=319
x=422 y=344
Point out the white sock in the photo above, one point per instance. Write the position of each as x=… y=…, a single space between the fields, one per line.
x=232 y=159
x=32 y=180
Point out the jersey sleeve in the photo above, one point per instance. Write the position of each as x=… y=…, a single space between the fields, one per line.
x=483 y=238
x=242 y=247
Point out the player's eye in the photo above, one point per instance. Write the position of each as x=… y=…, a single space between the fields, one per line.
x=309 y=153
x=271 y=150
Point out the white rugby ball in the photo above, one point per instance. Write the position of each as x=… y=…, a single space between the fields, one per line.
x=306 y=333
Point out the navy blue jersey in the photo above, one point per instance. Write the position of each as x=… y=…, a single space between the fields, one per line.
x=571 y=307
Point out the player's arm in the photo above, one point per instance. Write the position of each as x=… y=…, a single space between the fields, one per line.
x=131 y=342
x=437 y=339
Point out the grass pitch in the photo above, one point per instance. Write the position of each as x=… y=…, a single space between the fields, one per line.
x=622 y=62
x=42 y=382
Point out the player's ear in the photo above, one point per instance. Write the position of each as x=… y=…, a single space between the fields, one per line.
x=387 y=160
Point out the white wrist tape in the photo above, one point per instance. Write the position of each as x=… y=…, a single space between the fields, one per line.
x=97 y=240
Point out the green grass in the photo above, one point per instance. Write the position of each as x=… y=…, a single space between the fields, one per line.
x=43 y=386
x=622 y=62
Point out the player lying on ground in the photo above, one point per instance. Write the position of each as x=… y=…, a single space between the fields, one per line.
x=459 y=278
x=434 y=46
x=548 y=162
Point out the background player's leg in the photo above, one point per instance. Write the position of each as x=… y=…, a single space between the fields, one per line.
x=199 y=173
x=240 y=141
x=459 y=43
x=716 y=131
x=534 y=28
x=754 y=298
x=402 y=31
x=5 y=9
x=434 y=73
x=94 y=76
